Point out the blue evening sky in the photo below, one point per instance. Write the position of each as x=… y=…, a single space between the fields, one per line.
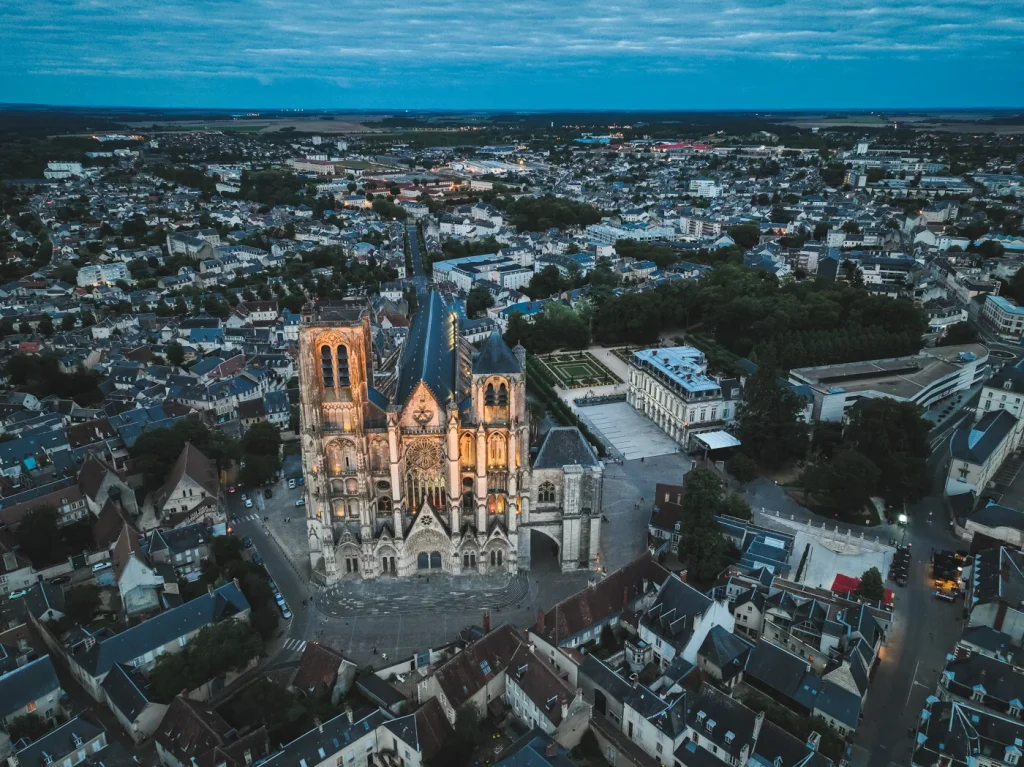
x=534 y=54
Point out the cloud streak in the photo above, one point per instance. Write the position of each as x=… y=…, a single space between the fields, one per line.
x=400 y=51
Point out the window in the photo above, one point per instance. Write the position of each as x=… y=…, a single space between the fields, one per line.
x=546 y=493
x=659 y=748
x=327 y=366
x=31 y=707
x=343 y=376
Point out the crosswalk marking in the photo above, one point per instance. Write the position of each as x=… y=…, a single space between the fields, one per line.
x=295 y=645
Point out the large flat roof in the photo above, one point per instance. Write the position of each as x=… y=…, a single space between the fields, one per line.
x=900 y=377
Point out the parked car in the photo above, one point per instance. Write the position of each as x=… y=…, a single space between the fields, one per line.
x=248 y=503
x=291 y=484
x=257 y=558
x=231 y=488
x=60 y=580
x=101 y=566
x=273 y=586
x=285 y=612
x=300 y=502
x=278 y=598
x=245 y=497
x=302 y=480
x=247 y=542
x=17 y=594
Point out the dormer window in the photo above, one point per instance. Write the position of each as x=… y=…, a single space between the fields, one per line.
x=700 y=717
x=1007 y=385
x=729 y=737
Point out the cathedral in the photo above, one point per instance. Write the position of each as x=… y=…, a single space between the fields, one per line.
x=421 y=461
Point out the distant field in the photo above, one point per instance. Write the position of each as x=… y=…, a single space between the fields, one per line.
x=303 y=125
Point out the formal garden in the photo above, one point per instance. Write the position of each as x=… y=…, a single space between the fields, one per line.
x=577 y=370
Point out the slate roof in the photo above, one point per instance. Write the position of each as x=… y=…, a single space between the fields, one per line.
x=725 y=650
x=193 y=463
x=495 y=357
x=776 y=668
x=565 y=446
x=536 y=749
x=379 y=691
x=136 y=641
x=541 y=685
x=424 y=731
x=773 y=743
x=673 y=614
x=976 y=442
x=728 y=715
x=59 y=743
x=430 y=353
x=334 y=736
x=126 y=690
x=28 y=683
x=839 y=703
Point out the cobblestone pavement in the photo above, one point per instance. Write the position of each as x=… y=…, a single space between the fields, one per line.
x=425 y=594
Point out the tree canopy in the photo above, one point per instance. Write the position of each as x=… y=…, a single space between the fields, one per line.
x=217 y=649
x=895 y=437
x=767 y=422
x=871 y=585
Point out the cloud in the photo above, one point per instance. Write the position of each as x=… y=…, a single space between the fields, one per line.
x=364 y=43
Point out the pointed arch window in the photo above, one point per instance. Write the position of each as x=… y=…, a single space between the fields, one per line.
x=490 y=398
x=343 y=376
x=546 y=493
x=327 y=366
x=503 y=396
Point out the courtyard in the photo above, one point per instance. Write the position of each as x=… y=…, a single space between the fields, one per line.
x=630 y=434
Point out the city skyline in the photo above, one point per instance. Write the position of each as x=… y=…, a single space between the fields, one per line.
x=787 y=54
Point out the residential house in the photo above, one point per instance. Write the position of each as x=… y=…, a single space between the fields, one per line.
x=191 y=489
x=679 y=620
x=128 y=698
x=69 y=745
x=138 y=582
x=192 y=733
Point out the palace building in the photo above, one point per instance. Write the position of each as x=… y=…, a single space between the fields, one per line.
x=421 y=462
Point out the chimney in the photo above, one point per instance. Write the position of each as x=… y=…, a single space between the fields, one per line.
x=237 y=585
x=565 y=707
x=487 y=622
x=646 y=583
x=209 y=589
x=813 y=741
x=540 y=621
x=550 y=751
x=248 y=756
x=348 y=715
x=757 y=725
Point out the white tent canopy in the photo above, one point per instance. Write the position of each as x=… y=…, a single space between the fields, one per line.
x=716 y=440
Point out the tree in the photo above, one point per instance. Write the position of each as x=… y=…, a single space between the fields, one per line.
x=46 y=325
x=742 y=467
x=28 y=726
x=895 y=436
x=39 y=537
x=746 y=235
x=734 y=505
x=67 y=322
x=702 y=490
x=24 y=328
x=175 y=353
x=217 y=649
x=81 y=603
x=848 y=481
x=871 y=586
x=478 y=300
x=88 y=319
x=547 y=282
x=767 y=421
x=703 y=549
x=959 y=333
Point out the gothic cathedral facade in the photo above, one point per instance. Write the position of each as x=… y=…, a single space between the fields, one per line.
x=421 y=462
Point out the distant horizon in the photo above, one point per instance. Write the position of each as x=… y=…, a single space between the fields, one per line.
x=412 y=111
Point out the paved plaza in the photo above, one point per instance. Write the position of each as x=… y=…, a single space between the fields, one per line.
x=631 y=435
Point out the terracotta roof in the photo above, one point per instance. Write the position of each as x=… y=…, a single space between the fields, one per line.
x=90 y=432
x=602 y=600
x=193 y=463
x=126 y=546
x=91 y=476
x=107 y=526
x=190 y=730
x=479 y=663
x=318 y=667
